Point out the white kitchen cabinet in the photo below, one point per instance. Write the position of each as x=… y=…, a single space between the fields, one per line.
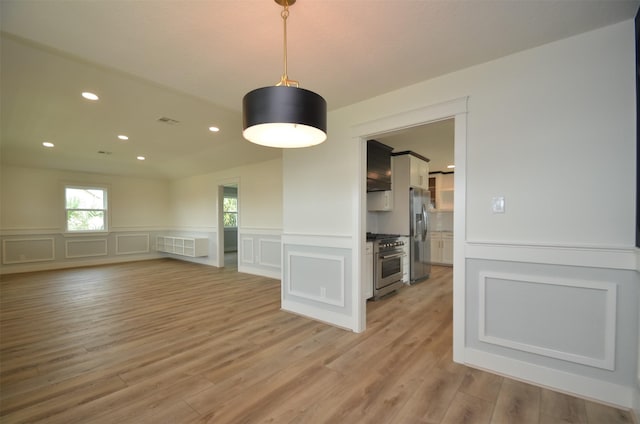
x=379 y=201
x=441 y=188
x=447 y=248
x=367 y=289
x=413 y=168
x=436 y=250
x=442 y=247
x=184 y=246
x=419 y=170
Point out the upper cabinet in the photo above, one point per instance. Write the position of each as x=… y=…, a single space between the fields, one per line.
x=419 y=172
x=380 y=201
x=418 y=167
x=441 y=188
x=378 y=166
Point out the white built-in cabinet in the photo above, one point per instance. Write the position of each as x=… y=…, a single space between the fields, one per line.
x=442 y=247
x=367 y=289
x=379 y=201
x=442 y=185
x=419 y=172
x=185 y=246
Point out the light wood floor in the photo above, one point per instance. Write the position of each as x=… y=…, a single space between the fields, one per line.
x=174 y=342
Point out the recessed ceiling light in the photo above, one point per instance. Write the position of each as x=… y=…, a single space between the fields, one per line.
x=141 y=158
x=123 y=137
x=451 y=166
x=90 y=96
x=214 y=129
x=48 y=144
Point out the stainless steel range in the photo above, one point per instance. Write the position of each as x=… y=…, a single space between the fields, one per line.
x=388 y=255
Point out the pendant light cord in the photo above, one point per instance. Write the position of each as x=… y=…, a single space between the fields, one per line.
x=285 y=77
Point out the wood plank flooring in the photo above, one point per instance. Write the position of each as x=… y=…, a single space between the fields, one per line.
x=173 y=342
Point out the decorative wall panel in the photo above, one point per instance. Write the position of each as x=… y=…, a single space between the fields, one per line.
x=541 y=315
x=82 y=248
x=247 y=250
x=16 y=251
x=269 y=252
x=324 y=277
x=127 y=244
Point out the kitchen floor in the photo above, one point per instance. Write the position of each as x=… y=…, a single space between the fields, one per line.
x=168 y=341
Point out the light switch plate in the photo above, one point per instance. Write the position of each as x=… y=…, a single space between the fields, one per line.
x=497 y=204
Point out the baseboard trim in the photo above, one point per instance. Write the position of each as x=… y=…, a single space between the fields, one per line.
x=576 y=385
x=321 y=315
x=276 y=274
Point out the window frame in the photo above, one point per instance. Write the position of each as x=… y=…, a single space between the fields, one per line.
x=106 y=210
x=230 y=213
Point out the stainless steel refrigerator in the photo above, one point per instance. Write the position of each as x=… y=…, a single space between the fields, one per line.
x=420 y=235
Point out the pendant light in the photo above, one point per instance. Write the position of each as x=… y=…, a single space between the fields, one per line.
x=284 y=115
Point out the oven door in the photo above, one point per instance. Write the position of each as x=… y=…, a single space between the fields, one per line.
x=388 y=268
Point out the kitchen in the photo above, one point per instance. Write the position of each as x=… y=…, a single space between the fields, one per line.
x=410 y=206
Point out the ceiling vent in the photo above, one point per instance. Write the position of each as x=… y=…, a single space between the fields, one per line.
x=169 y=121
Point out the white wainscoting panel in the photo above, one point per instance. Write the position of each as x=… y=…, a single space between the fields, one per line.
x=17 y=251
x=536 y=314
x=247 y=250
x=127 y=244
x=269 y=252
x=83 y=248
x=324 y=277
x=260 y=252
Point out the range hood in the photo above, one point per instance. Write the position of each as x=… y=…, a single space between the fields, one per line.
x=378 y=166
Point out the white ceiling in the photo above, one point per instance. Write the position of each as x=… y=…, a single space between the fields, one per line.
x=193 y=61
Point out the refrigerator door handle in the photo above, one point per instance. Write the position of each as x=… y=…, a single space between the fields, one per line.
x=425 y=219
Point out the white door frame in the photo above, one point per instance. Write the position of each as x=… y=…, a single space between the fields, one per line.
x=220 y=223
x=456 y=109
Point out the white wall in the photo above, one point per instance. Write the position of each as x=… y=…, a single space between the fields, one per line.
x=32 y=205
x=321 y=196
x=559 y=122
x=34 y=198
x=30 y=199
x=195 y=198
x=195 y=212
x=32 y=208
x=320 y=184
x=553 y=130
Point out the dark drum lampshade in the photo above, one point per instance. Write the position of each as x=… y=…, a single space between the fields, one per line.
x=283 y=116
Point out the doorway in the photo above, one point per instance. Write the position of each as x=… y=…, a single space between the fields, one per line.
x=228 y=222
x=456 y=110
x=435 y=142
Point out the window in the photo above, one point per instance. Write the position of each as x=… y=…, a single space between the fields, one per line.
x=86 y=208
x=230 y=212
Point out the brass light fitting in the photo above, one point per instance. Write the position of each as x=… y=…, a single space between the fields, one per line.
x=284 y=115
